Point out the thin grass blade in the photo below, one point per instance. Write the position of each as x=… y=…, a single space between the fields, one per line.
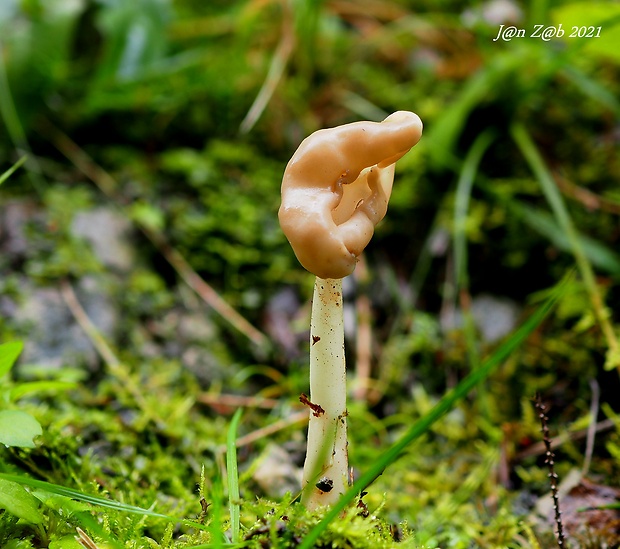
x=600 y=255
x=15 y=130
x=93 y=500
x=442 y=138
x=464 y=187
x=556 y=203
x=462 y=197
x=592 y=88
x=12 y=169
x=233 y=476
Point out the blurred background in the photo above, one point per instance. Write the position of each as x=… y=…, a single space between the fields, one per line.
x=139 y=237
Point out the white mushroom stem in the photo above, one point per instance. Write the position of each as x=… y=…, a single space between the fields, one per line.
x=326 y=470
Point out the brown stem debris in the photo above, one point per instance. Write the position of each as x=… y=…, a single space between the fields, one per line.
x=550 y=462
x=317 y=411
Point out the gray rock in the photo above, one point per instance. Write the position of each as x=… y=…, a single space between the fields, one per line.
x=495 y=317
x=276 y=473
x=14 y=215
x=280 y=314
x=196 y=327
x=108 y=233
x=55 y=339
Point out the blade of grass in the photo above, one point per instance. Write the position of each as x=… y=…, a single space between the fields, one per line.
x=276 y=70
x=422 y=266
x=308 y=15
x=592 y=88
x=14 y=127
x=233 y=476
x=442 y=137
x=464 y=186
x=446 y=404
x=556 y=202
x=8 y=110
x=30 y=387
x=12 y=169
x=216 y=524
x=597 y=253
x=361 y=106
x=93 y=500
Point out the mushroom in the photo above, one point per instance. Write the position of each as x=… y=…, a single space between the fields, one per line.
x=335 y=190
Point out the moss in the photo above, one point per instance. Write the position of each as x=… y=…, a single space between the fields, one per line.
x=137 y=429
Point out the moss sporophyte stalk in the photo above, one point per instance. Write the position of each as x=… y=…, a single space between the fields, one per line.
x=335 y=190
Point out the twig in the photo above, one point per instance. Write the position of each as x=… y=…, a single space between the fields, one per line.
x=550 y=462
x=276 y=69
x=78 y=312
x=104 y=350
x=587 y=198
x=376 y=10
x=106 y=183
x=204 y=290
x=596 y=393
x=237 y=401
x=298 y=417
x=84 y=540
x=363 y=340
x=539 y=448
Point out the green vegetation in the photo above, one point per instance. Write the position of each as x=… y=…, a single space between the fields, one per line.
x=153 y=318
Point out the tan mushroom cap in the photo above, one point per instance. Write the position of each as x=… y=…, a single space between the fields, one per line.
x=336 y=189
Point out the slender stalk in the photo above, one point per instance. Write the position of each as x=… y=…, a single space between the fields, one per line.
x=550 y=462
x=326 y=470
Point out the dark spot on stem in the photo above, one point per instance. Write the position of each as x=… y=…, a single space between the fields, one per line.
x=315 y=339
x=325 y=484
